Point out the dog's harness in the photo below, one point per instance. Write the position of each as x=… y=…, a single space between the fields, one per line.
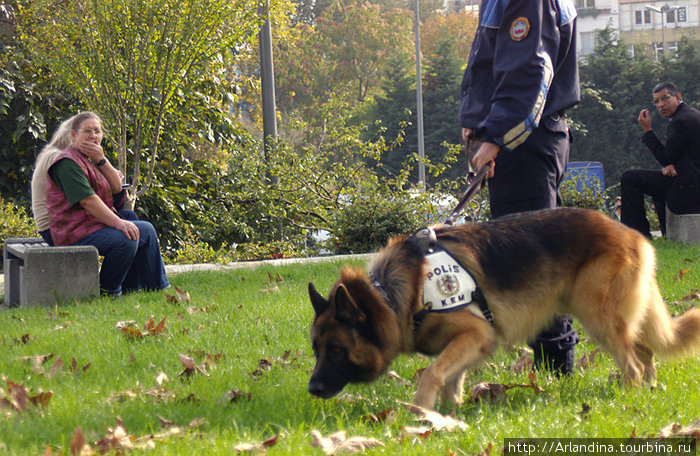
x=448 y=284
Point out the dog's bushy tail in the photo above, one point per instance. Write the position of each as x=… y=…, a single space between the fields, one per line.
x=672 y=337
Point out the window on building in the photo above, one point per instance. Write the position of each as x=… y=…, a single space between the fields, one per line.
x=670 y=16
x=681 y=14
x=672 y=48
x=658 y=50
x=642 y=17
x=581 y=4
x=587 y=43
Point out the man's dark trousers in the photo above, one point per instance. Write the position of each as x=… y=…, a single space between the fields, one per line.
x=526 y=179
x=634 y=184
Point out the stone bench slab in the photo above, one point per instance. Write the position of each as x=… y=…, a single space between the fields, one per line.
x=39 y=275
x=684 y=228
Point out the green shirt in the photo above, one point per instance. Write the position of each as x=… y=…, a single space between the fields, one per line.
x=71 y=179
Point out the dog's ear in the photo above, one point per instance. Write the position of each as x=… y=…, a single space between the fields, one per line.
x=345 y=307
x=319 y=302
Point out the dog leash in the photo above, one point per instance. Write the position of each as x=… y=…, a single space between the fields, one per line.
x=474 y=185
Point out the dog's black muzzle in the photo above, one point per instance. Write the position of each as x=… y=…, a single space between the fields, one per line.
x=321 y=389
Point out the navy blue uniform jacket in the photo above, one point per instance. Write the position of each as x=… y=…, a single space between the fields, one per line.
x=522 y=66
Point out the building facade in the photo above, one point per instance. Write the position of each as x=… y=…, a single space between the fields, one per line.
x=652 y=26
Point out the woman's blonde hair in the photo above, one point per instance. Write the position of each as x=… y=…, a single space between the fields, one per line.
x=60 y=140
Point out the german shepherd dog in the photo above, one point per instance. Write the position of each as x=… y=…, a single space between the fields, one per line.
x=530 y=267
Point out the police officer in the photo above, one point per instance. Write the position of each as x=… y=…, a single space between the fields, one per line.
x=521 y=77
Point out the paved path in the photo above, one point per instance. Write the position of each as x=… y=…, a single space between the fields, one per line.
x=180 y=268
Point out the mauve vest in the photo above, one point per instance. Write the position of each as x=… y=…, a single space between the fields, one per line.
x=69 y=224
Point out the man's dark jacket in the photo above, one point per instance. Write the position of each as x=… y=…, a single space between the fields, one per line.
x=522 y=69
x=682 y=150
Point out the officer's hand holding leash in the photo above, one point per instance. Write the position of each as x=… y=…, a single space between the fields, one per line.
x=474 y=182
x=485 y=154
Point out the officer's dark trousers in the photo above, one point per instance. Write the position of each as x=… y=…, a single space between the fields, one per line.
x=527 y=178
x=634 y=184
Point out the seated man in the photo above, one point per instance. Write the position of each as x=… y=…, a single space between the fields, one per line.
x=676 y=184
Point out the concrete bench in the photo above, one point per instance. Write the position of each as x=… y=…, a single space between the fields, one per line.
x=39 y=275
x=684 y=228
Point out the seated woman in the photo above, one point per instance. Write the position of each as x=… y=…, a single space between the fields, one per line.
x=60 y=140
x=79 y=193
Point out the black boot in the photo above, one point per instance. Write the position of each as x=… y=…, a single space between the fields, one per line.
x=554 y=347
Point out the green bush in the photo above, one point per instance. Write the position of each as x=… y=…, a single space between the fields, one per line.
x=367 y=222
x=14 y=222
x=194 y=251
x=253 y=251
x=589 y=197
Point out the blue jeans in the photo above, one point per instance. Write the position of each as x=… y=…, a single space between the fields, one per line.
x=126 y=214
x=128 y=265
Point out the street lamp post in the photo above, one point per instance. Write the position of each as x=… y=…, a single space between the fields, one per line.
x=419 y=100
x=662 y=11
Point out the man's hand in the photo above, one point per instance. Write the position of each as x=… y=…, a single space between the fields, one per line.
x=644 y=120
x=669 y=171
x=466 y=134
x=485 y=155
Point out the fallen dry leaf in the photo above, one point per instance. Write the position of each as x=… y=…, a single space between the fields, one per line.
x=682 y=273
x=486 y=451
x=170 y=299
x=524 y=362
x=116 y=440
x=182 y=296
x=392 y=375
x=274 y=289
x=420 y=431
x=256 y=448
x=339 y=443
x=125 y=324
x=179 y=296
x=234 y=396
x=75 y=369
x=678 y=430
x=693 y=296
x=587 y=360
x=130 y=329
x=78 y=445
x=157 y=329
x=17 y=398
x=41 y=399
x=37 y=361
x=585 y=408
x=56 y=368
x=490 y=391
x=436 y=420
x=190 y=367
x=161 y=378
x=385 y=416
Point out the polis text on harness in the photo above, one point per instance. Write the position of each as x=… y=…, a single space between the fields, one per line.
x=448 y=285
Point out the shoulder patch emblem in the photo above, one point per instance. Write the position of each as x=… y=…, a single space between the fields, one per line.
x=519 y=28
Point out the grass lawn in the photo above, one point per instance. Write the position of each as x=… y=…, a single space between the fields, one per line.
x=247 y=359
